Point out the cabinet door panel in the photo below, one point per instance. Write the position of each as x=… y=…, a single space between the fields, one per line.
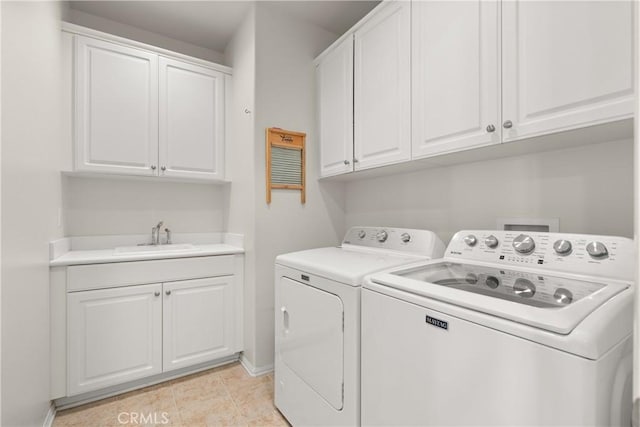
x=335 y=104
x=116 y=116
x=382 y=87
x=198 y=321
x=114 y=336
x=191 y=120
x=455 y=78
x=566 y=64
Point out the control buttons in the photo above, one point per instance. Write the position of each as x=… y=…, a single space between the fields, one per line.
x=470 y=240
x=597 y=250
x=524 y=288
x=382 y=236
x=524 y=244
x=362 y=234
x=563 y=296
x=405 y=237
x=492 y=282
x=562 y=247
x=491 y=241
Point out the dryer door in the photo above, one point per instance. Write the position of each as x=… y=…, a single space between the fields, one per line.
x=312 y=338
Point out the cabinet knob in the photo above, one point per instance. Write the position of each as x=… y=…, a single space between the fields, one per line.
x=168 y=292
x=491 y=128
x=163 y=168
x=355 y=160
x=153 y=167
x=157 y=293
x=508 y=124
x=346 y=162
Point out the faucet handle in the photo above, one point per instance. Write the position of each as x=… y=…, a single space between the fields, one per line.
x=168 y=235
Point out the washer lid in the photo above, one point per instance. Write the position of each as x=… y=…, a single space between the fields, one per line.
x=346 y=264
x=550 y=302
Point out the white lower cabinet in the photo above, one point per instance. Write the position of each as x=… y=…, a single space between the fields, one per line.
x=127 y=333
x=115 y=336
x=197 y=321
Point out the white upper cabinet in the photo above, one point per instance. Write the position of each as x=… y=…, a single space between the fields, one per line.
x=116 y=126
x=191 y=120
x=335 y=103
x=141 y=110
x=455 y=76
x=566 y=64
x=382 y=87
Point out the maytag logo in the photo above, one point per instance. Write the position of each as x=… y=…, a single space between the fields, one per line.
x=437 y=322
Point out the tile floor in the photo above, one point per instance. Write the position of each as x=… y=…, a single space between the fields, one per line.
x=224 y=396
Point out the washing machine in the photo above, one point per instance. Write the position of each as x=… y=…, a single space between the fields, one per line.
x=317 y=320
x=508 y=328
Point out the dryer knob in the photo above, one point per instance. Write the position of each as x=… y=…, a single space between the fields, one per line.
x=470 y=240
x=491 y=241
x=597 y=250
x=382 y=236
x=562 y=247
x=362 y=234
x=405 y=237
x=524 y=244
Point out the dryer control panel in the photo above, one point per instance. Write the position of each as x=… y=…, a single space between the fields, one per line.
x=605 y=256
x=406 y=240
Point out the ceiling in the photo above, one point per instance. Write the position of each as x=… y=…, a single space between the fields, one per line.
x=211 y=24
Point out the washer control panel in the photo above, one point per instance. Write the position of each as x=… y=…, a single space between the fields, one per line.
x=609 y=256
x=408 y=240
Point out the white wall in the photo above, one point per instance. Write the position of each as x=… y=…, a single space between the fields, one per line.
x=127 y=31
x=240 y=214
x=589 y=188
x=99 y=206
x=285 y=98
x=31 y=197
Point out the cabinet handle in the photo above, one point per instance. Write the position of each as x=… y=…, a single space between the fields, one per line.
x=153 y=167
x=355 y=160
x=508 y=124
x=346 y=162
x=157 y=293
x=168 y=292
x=491 y=128
x=163 y=168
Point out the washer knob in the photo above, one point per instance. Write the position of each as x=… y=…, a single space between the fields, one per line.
x=597 y=250
x=524 y=244
x=362 y=234
x=382 y=236
x=405 y=237
x=562 y=247
x=491 y=241
x=470 y=240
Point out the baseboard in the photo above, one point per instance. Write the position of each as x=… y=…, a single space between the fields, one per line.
x=51 y=414
x=252 y=370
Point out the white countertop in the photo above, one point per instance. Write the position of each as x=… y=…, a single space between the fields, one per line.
x=101 y=249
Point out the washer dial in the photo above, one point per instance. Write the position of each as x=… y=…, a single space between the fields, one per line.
x=524 y=244
x=491 y=241
x=470 y=240
x=382 y=236
x=362 y=234
x=562 y=247
x=597 y=250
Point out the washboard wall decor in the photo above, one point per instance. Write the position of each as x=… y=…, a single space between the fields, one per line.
x=285 y=161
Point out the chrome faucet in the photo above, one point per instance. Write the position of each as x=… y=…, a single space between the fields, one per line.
x=155 y=234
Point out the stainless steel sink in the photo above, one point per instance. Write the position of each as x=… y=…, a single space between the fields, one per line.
x=179 y=247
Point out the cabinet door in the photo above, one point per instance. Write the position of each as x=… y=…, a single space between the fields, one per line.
x=455 y=78
x=198 y=321
x=191 y=121
x=116 y=111
x=566 y=64
x=114 y=336
x=335 y=95
x=382 y=97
